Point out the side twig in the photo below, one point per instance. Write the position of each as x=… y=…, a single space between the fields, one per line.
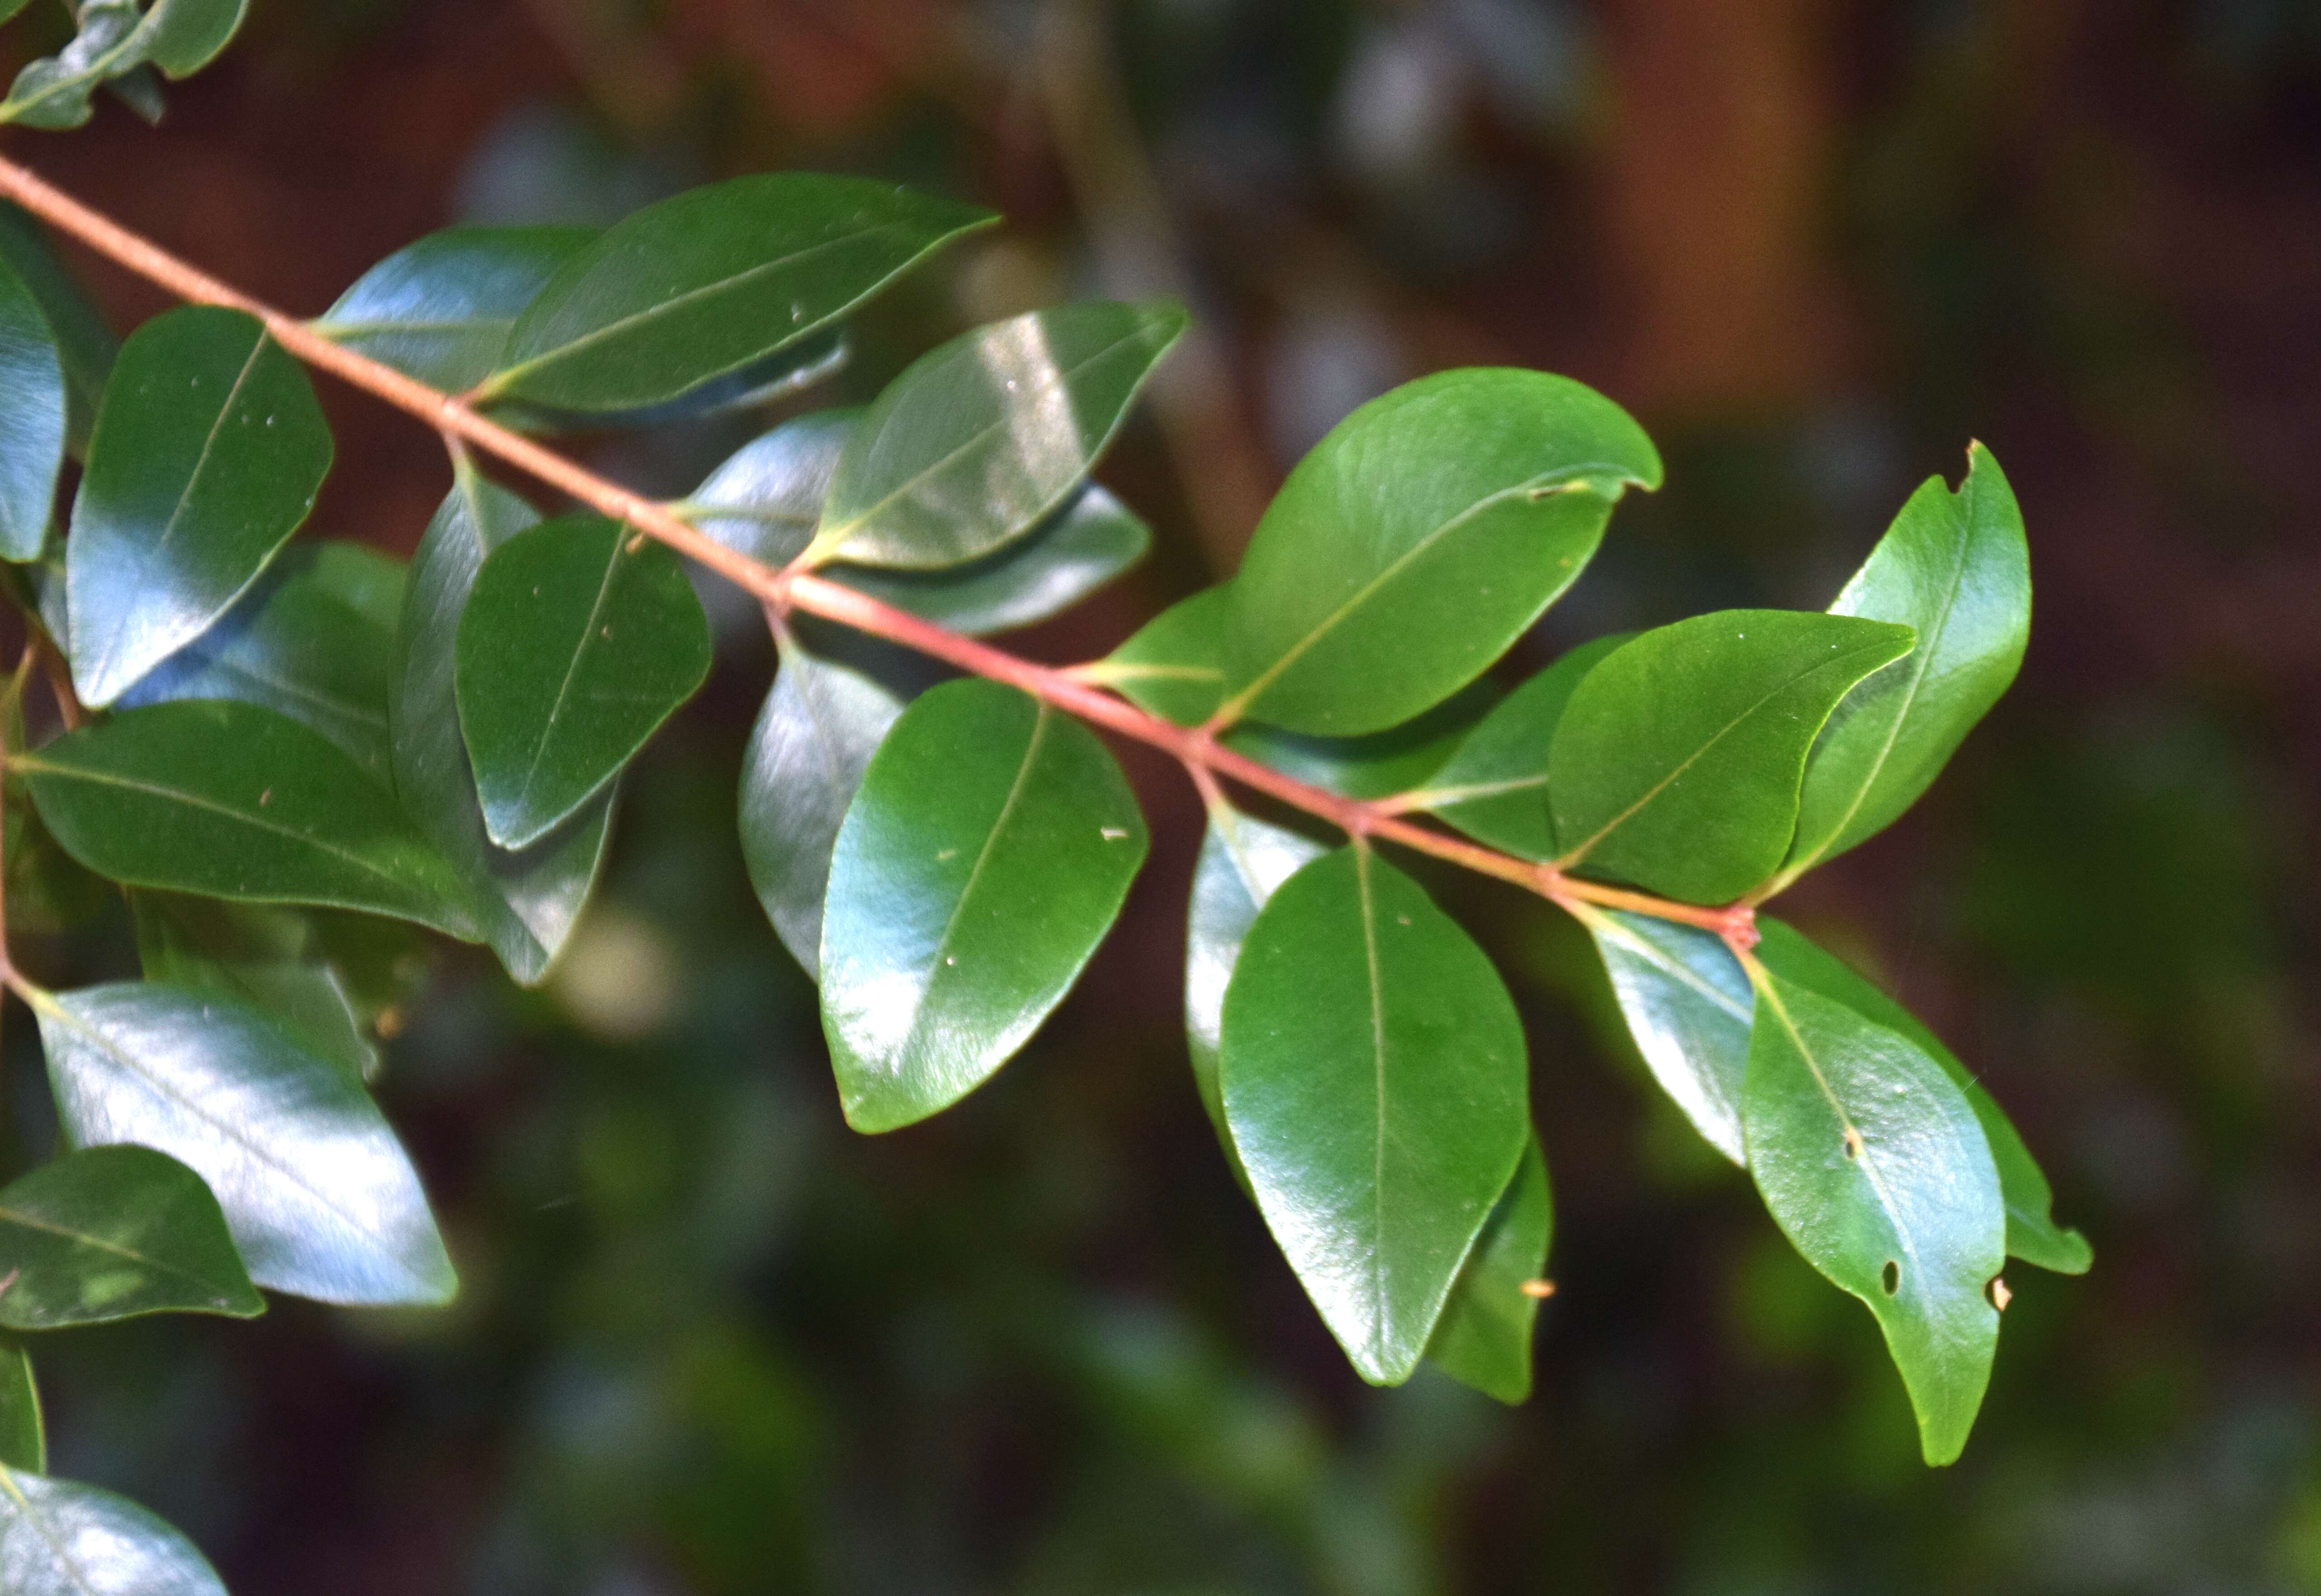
x=781 y=590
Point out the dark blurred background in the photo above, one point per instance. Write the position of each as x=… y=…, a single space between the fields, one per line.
x=712 y=1342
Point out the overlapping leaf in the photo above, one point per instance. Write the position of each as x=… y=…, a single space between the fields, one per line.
x=115 y=43
x=1177 y=665
x=208 y=450
x=320 y=1197
x=1380 y=765
x=527 y=900
x=1688 y=1005
x=441 y=310
x=1494 y=788
x=1418 y=539
x=984 y=857
x=268 y=957
x=1676 y=760
x=113 y=1232
x=711 y=281
x=1076 y=551
x=32 y=444
x=1372 y=1071
x=24 y=1435
x=61 y=1538
x=85 y=345
x=578 y=640
x=1484 y=1338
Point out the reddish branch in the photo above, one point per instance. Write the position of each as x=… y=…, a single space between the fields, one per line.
x=786 y=589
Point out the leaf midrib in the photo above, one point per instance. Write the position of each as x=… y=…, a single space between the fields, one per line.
x=12 y=1215
x=1379 y=1309
x=571 y=673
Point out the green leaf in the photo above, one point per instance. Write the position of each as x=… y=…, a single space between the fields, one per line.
x=1494 y=788
x=1688 y=1005
x=113 y=42
x=315 y=640
x=1380 y=765
x=85 y=344
x=754 y=386
x=1243 y=860
x=713 y=280
x=320 y=1197
x=1092 y=539
x=766 y=499
x=114 y=1232
x=1955 y=567
x=2032 y=1233
x=1373 y=1074
x=47 y=890
x=23 y=1438
x=814 y=739
x=1677 y=762
x=1420 y=538
x=1175 y=666
x=231 y=801
x=58 y=1538
x=1875 y=1167
x=270 y=958
x=441 y=310
x=33 y=445
x=1483 y=1338
x=527 y=900
x=579 y=639
x=979 y=440
x=208 y=451
x=983 y=860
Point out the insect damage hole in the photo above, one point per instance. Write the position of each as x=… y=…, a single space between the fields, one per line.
x=1891 y=1277
x=1853 y=1142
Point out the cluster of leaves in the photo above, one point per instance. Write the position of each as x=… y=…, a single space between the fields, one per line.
x=283 y=757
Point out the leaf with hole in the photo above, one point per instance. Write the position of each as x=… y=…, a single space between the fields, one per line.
x=578 y=640
x=1955 y=567
x=24 y=1435
x=1688 y=1005
x=59 y=1539
x=978 y=440
x=1873 y=1165
x=1677 y=761
x=527 y=900
x=229 y=799
x=319 y=1196
x=2032 y=1233
x=114 y=1232
x=1494 y=787
x=1243 y=860
x=441 y=310
x=1373 y=1074
x=1419 y=539
x=806 y=754
x=86 y=345
x=713 y=280
x=315 y=640
x=208 y=451
x=984 y=857
x=269 y=958
x=1484 y=1338
x=32 y=444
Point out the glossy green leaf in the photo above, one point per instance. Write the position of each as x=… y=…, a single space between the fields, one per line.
x=805 y=761
x=1688 y=1005
x=208 y=451
x=32 y=444
x=1677 y=761
x=1380 y=765
x=527 y=900
x=59 y=1539
x=981 y=439
x=1175 y=666
x=984 y=857
x=1372 y=1069
x=320 y=1197
x=315 y=640
x=1419 y=539
x=1955 y=567
x=1242 y=861
x=1494 y=787
x=114 y=1232
x=441 y=310
x=231 y=801
x=579 y=639
x=2032 y=1233
x=1484 y=1338
x=713 y=280
x=114 y=40
x=24 y=1437
x=1092 y=539
x=766 y=499
x=85 y=343
x=268 y=957
x=757 y=385
x=1873 y=1165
